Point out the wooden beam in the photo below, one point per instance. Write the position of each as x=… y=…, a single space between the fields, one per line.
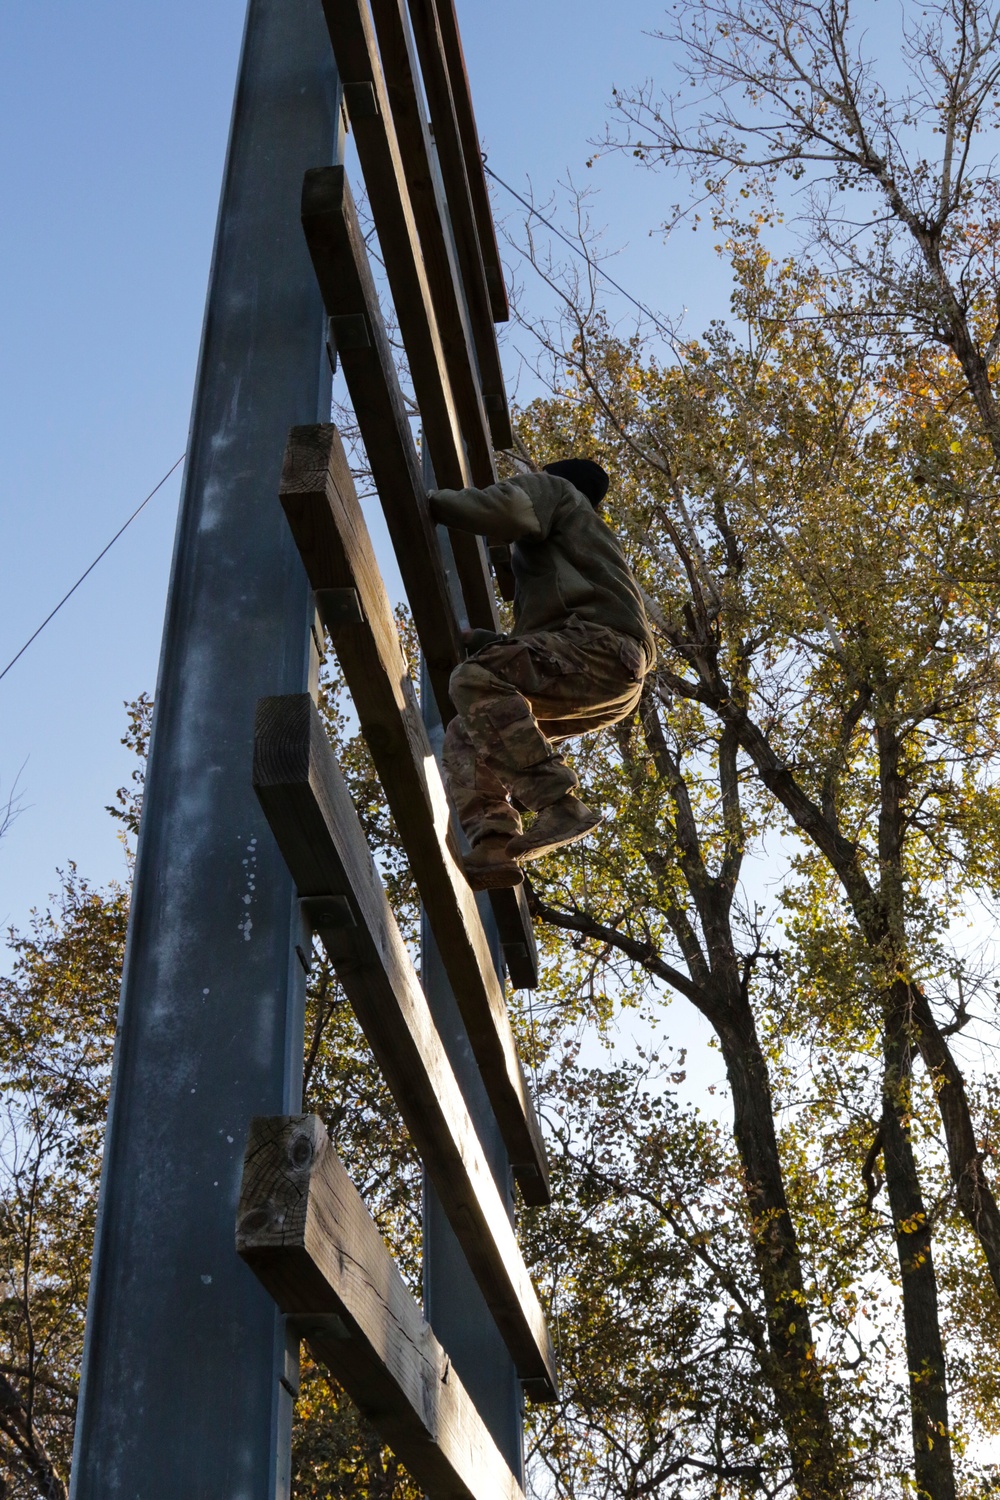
x=447 y=85
x=307 y=1236
x=355 y=50
x=340 y=259
x=517 y=936
x=337 y=247
x=402 y=85
x=461 y=93
x=341 y=262
x=320 y=501
x=470 y=376
x=460 y=294
x=442 y=406
x=311 y=814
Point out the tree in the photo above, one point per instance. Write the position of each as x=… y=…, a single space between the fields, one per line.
x=11 y=806
x=826 y=628
x=651 y=1259
x=57 y=1019
x=813 y=93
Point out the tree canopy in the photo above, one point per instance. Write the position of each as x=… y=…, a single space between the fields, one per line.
x=794 y=1288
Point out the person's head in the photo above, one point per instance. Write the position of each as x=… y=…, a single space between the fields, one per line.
x=589 y=478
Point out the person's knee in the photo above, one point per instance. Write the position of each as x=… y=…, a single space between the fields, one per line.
x=469 y=684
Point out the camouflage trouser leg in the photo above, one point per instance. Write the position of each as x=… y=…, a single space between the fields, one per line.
x=480 y=797
x=508 y=695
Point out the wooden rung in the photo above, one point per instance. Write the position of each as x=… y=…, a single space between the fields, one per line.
x=517 y=936
x=320 y=501
x=353 y=40
x=307 y=1236
x=341 y=262
x=447 y=81
x=451 y=300
x=340 y=258
x=307 y=804
x=401 y=75
x=352 y=35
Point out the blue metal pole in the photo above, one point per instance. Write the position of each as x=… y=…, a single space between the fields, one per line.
x=453 y=1304
x=188 y=1374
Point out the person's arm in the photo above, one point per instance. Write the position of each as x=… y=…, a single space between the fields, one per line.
x=503 y=511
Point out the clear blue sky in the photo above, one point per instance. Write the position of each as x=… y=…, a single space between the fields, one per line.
x=112 y=136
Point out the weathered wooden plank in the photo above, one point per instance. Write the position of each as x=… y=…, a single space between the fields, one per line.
x=401 y=77
x=320 y=501
x=337 y=247
x=401 y=73
x=517 y=936
x=341 y=262
x=310 y=811
x=340 y=259
x=472 y=150
x=304 y=1231
x=354 y=47
x=352 y=35
x=446 y=80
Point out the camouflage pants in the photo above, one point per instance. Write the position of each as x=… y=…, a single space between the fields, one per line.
x=513 y=699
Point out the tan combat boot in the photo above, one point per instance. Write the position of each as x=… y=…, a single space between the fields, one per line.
x=562 y=822
x=489 y=867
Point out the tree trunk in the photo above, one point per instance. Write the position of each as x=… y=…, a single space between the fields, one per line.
x=958 y=335
x=934 y=1470
x=818 y=1462
x=965 y=1160
x=29 y=1458
x=974 y=1194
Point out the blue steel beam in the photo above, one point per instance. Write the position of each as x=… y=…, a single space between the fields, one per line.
x=188 y=1374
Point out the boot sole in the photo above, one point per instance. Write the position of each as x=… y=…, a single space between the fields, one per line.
x=494 y=877
x=538 y=851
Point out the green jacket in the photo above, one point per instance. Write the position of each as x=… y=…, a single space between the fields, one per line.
x=566 y=561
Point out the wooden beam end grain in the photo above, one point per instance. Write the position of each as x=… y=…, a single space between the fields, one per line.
x=304 y=1231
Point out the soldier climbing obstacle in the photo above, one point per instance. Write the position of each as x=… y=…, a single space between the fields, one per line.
x=576 y=659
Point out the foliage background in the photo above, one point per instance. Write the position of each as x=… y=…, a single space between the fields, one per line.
x=807 y=494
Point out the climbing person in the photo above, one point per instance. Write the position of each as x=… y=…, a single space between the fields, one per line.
x=574 y=662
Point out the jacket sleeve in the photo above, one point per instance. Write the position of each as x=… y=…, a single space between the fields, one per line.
x=503 y=511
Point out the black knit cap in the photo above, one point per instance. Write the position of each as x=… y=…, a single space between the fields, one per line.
x=589 y=478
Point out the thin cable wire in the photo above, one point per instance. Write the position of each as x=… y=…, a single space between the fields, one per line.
x=51 y=615
x=576 y=249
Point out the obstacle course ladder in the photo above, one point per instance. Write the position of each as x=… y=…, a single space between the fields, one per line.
x=301 y=1225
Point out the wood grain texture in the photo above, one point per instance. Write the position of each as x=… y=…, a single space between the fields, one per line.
x=453 y=302
x=306 y=1234
x=442 y=62
x=340 y=259
x=309 y=808
x=355 y=48
x=401 y=71
x=321 y=503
